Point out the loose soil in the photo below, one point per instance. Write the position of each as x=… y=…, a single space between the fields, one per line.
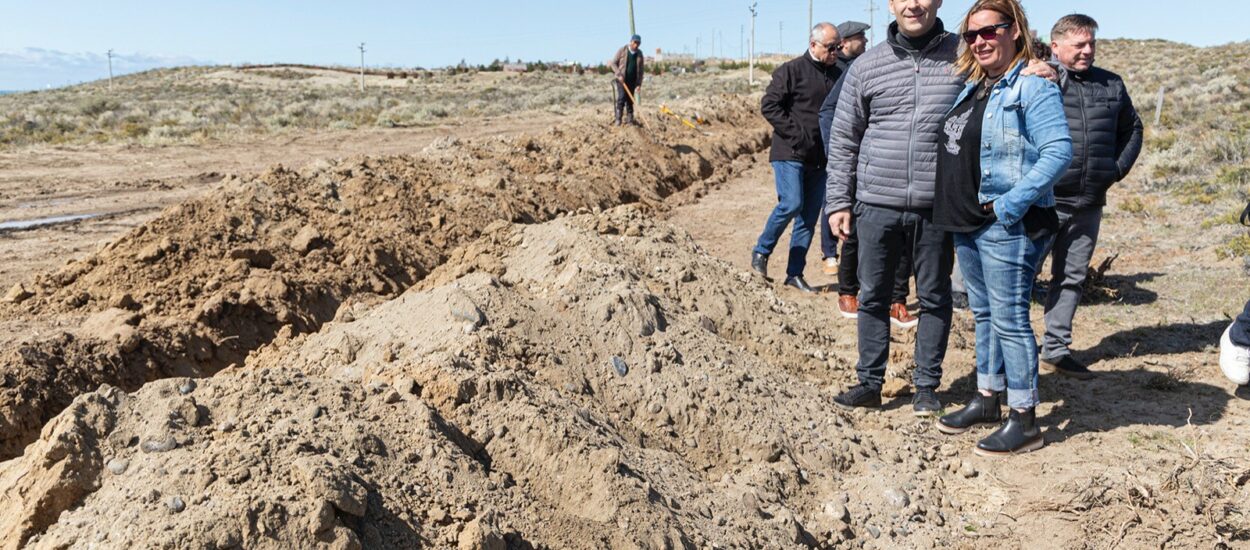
x=471 y=347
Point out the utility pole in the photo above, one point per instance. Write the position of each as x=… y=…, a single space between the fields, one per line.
x=711 y=52
x=781 y=38
x=362 y=67
x=872 y=12
x=742 y=41
x=810 y=23
x=751 y=64
x=110 y=56
x=631 y=18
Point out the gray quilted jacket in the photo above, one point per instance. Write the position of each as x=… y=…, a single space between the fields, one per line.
x=883 y=147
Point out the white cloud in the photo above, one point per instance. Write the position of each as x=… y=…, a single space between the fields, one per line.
x=38 y=68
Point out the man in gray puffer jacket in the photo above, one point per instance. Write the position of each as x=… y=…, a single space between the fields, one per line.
x=883 y=163
x=1106 y=139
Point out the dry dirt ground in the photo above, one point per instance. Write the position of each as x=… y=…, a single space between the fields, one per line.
x=125 y=186
x=471 y=344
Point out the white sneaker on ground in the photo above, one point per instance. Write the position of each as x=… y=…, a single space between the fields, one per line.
x=831 y=266
x=1234 y=359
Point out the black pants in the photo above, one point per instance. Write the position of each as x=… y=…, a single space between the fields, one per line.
x=885 y=234
x=848 y=265
x=1240 y=334
x=623 y=101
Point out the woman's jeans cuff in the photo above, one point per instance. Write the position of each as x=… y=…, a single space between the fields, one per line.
x=991 y=382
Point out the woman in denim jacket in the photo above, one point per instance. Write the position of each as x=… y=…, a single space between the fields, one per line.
x=1003 y=145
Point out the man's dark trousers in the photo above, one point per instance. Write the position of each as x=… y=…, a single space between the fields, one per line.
x=800 y=196
x=623 y=102
x=848 y=264
x=884 y=234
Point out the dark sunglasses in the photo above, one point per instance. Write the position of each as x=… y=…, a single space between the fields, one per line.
x=986 y=33
x=832 y=45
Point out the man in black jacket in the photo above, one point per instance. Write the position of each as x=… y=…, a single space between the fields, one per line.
x=1106 y=139
x=791 y=105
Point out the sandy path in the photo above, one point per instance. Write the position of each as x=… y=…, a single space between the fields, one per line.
x=1159 y=407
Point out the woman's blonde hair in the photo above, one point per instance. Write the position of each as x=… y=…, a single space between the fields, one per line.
x=1013 y=12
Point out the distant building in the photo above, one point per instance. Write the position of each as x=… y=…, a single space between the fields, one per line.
x=515 y=68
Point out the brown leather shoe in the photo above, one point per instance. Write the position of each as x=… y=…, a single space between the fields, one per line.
x=848 y=306
x=900 y=318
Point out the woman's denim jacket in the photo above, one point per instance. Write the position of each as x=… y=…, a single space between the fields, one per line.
x=1025 y=144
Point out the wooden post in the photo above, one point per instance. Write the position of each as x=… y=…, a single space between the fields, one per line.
x=1159 y=105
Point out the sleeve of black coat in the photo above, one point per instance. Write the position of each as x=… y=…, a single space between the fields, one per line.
x=776 y=109
x=1128 y=134
x=850 y=121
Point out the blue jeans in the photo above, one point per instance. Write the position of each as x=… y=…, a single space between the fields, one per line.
x=800 y=196
x=999 y=263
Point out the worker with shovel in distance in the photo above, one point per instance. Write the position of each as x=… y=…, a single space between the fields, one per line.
x=627 y=65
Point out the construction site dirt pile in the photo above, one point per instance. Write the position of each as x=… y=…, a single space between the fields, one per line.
x=596 y=381
x=277 y=254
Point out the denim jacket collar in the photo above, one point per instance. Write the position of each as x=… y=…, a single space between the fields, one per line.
x=1009 y=79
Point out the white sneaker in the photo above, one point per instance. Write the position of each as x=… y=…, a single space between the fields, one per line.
x=831 y=266
x=1234 y=359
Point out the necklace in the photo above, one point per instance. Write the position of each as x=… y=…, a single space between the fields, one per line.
x=987 y=85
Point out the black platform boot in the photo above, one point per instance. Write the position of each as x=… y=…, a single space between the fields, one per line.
x=1019 y=434
x=980 y=409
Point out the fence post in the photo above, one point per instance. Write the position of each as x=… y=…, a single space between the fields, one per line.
x=1159 y=105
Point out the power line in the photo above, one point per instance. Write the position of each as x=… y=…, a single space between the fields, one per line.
x=362 y=67
x=751 y=71
x=631 y=18
x=110 y=56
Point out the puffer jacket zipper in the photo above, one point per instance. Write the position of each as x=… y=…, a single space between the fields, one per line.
x=916 y=55
x=1080 y=90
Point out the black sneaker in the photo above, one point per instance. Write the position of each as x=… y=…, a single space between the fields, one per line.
x=859 y=396
x=925 y=402
x=1019 y=434
x=759 y=264
x=959 y=300
x=798 y=282
x=980 y=409
x=1066 y=366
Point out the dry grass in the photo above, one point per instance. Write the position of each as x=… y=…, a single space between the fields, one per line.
x=194 y=104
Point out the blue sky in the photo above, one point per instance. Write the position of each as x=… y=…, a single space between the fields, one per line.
x=55 y=42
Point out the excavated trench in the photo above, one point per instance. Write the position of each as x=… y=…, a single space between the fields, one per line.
x=275 y=255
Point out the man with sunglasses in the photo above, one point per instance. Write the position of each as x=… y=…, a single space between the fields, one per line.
x=883 y=164
x=1106 y=139
x=791 y=105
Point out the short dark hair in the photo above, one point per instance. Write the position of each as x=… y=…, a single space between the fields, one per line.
x=1041 y=50
x=1073 y=22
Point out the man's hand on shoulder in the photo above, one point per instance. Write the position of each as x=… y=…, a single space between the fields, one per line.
x=1041 y=69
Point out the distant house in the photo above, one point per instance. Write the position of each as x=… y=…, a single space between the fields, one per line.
x=515 y=68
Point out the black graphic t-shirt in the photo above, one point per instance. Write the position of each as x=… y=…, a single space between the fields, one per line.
x=955 y=205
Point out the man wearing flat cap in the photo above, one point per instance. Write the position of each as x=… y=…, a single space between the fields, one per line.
x=627 y=65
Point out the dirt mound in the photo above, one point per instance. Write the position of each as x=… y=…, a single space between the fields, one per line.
x=275 y=255
x=595 y=381
x=560 y=385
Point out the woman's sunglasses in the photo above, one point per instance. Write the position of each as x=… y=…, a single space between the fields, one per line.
x=986 y=33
